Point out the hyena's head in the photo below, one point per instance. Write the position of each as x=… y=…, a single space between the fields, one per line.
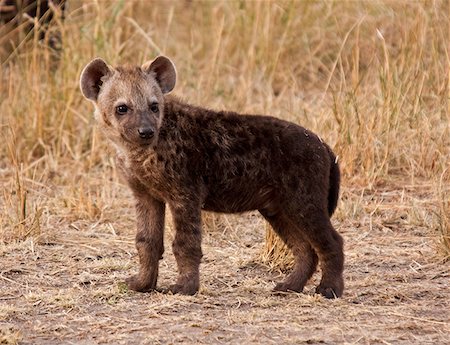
x=129 y=101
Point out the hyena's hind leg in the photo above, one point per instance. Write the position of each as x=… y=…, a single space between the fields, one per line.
x=305 y=257
x=328 y=244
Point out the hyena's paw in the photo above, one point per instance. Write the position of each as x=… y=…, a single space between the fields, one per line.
x=287 y=287
x=182 y=289
x=186 y=285
x=140 y=284
x=331 y=291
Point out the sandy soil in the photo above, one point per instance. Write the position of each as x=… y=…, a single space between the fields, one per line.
x=66 y=287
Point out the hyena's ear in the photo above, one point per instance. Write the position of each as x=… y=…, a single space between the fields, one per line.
x=164 y=71
x=91 y=78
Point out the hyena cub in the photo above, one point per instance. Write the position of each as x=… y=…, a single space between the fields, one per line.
x=194 y=159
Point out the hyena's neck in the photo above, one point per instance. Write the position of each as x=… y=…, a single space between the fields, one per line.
x=176 y=112
x=177 y=121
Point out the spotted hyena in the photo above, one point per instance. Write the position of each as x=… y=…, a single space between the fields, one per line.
x=191 y=159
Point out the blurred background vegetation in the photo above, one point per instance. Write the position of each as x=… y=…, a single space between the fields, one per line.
x=370 y=77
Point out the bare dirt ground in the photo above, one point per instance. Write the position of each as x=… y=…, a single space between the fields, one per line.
x=66 y=286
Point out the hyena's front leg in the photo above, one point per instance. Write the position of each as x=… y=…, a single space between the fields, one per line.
x=149 y=242
x=187 y=248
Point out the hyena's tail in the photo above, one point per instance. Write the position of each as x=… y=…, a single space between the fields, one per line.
x=335 y=179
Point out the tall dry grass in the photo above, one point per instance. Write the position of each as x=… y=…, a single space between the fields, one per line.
x=372 y=78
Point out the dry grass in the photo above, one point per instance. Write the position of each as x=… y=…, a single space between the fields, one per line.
x=372 y=78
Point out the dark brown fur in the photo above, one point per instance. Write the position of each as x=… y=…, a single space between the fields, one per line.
x=201 y=159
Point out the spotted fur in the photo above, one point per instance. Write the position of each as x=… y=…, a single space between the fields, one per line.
x=200 y=159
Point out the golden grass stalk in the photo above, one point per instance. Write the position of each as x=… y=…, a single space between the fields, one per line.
x=443 y=193
x=372 y=78
x=275 y=253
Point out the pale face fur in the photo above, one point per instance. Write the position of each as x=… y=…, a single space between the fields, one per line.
x=129 y=101
x=141 y=95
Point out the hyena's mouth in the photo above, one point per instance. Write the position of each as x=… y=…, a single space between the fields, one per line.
x=146 y=142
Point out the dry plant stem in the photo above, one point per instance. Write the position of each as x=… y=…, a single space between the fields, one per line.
x=444 y=213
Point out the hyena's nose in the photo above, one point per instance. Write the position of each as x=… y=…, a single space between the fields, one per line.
x=146 y=132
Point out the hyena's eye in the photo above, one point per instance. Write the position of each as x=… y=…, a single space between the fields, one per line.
x=122 y=109
x=154 y=107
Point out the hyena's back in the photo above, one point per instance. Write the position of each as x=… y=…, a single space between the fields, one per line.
x=247 y=162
